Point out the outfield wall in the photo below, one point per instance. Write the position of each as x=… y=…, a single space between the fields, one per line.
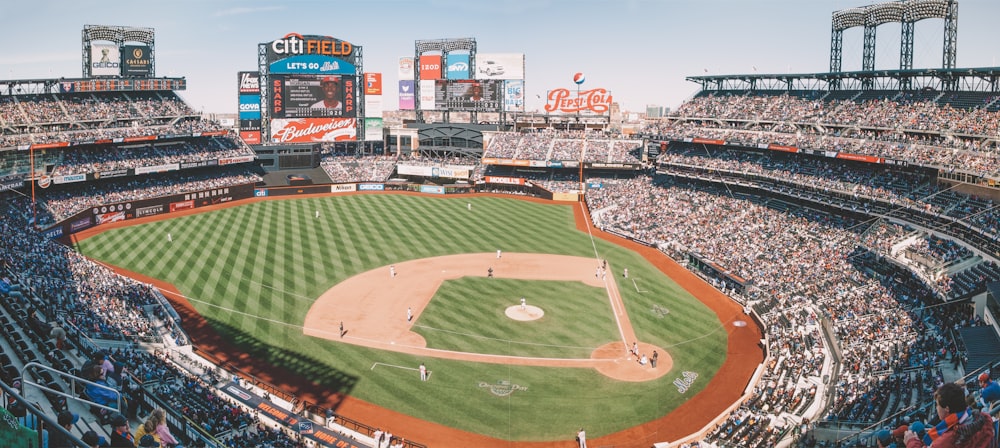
x=121 y=211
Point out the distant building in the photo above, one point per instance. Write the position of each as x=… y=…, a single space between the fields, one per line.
x=654 y=111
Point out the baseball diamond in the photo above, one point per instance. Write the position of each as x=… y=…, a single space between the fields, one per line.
x=273 y=308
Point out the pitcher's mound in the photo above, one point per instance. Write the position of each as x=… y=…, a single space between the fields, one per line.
x=528 y=313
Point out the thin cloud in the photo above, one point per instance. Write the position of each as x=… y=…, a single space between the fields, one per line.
x=245 y=10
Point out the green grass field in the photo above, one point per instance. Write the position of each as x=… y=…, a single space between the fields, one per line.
x=254 y=270
x=577 y=318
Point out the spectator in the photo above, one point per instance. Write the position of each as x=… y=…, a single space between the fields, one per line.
x=960 y=426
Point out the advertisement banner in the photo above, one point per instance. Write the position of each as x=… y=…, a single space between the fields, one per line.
x=406 y=99
x=235 y=160
x=260 y=192
x=249 y=107
x=182 y=205
x=427 y=94
x=310 y=130
x=373 y=83
x=433 y=171
x=295 y=44
x=499 y=66
x=371 y=187
x=249 y=125
x=432 y=189
x=458 y=66
x=405 y=69
x=81 y=224
x=250 y=137
x=110 y=217
x=373 y=129
x=513 y=95
x=53 y=233
x=11 y=184
x=157 y=168
x=783 y=148
x=342 y=188
x=373 y=105
x=597 y=101
x=430 y=66
x=137 y=62
x=249 y=83
x=857 y=157
x=105 y=60
x=565 y=197
x=149 y=211
x=505 y=180
x=313 y=64
x=68 y=179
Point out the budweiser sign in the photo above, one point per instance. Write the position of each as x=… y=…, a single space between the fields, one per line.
x=308 y=130
x=595 y=100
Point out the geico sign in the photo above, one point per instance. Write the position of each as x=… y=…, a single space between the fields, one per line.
x=294 y=43
x=249 y=107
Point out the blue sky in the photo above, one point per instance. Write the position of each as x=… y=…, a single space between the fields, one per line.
x=641 y=50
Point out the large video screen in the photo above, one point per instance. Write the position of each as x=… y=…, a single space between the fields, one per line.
x=313 y=96
x=468 y=95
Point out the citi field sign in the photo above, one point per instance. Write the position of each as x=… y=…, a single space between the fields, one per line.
x=294 y=44
x=296 y=53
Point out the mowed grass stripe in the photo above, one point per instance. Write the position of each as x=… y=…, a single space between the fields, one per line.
x=454 y=396
x=573 y=326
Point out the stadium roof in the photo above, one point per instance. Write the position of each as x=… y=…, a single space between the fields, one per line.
x=980 y=79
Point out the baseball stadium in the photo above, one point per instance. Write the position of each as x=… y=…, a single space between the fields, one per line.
x=790 y=260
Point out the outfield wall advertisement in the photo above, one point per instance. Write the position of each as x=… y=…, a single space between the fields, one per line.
x=434 y=171
x=121 y=211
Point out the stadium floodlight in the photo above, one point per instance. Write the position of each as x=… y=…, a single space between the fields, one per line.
x=848 y=18
x=445 y=45
x=926 y=9
x=884 y=13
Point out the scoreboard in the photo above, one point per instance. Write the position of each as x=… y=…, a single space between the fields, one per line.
x=313 y=96
x=468 y=95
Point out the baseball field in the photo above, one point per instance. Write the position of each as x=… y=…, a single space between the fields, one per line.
x=407 y=277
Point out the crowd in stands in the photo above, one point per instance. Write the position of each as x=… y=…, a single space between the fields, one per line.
x=343 y=169
x=943 y=251
x=27 y=119
x=61 y=204
x=873 y=190
x=800 y=266
x=563 y=146
x=100 y=158
x=918 y=132
x=91 y=297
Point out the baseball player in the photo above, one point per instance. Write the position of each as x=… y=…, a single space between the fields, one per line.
x=523 y=305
